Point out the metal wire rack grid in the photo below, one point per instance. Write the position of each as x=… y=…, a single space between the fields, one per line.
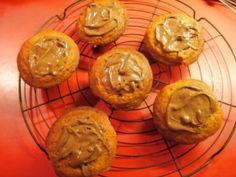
x=141 y=150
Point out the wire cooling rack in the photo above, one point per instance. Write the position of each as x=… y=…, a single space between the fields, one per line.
x=141 y=150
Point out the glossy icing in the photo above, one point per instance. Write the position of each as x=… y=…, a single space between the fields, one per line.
x=48 y=56
x=81 y=142
x=188 y=108
x=101 y=18
x=122 y=73
x=176 y=35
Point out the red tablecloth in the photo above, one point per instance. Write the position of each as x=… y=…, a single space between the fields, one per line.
x=19 y=156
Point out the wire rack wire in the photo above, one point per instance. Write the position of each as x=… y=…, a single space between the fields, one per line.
x=141 y=150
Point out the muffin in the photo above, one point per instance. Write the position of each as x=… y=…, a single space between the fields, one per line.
x=47 y=59
x=102 y=22
x=187 y=112
x=121 y=77
x=81 y=143
x=174 y=39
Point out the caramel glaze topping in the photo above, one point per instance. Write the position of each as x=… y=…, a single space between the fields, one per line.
x=177 y=36
x=189 y=108
x=122 y=73
x=101 y=19
x=81 y=142
x=48 y=57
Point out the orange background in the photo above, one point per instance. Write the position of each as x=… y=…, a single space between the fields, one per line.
x=19 y=156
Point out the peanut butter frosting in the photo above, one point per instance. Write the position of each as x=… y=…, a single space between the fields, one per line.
x=175 y=35
x=122 y=73
x=48 y=56
x=81 y=142
x=102 y=18
x=189 y=108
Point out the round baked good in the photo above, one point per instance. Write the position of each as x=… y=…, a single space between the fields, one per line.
x=81 y=143
x=187 y=112
x=121 y=77
x=102 y=22
x=174 y=39
x=47 y=59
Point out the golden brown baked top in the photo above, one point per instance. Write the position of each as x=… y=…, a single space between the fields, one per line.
x=101 y=18
x=122 y=73
x=189 y=107
x=81 y=142
x=177 y=35
x=48 y=56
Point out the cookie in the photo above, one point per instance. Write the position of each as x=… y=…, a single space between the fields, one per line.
x=81 y=143
x=47 y=59
x=102 y=22
x=187 y=112
x=121 y=77
x=174 y=39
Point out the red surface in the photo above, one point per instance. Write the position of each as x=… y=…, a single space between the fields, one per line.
x=21 y=18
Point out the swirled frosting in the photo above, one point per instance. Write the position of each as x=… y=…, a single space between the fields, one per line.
x=101 y=18
x=122 y=73
x=189 y=108
x=175 y=35
x=80 y=143
x=48 y=56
